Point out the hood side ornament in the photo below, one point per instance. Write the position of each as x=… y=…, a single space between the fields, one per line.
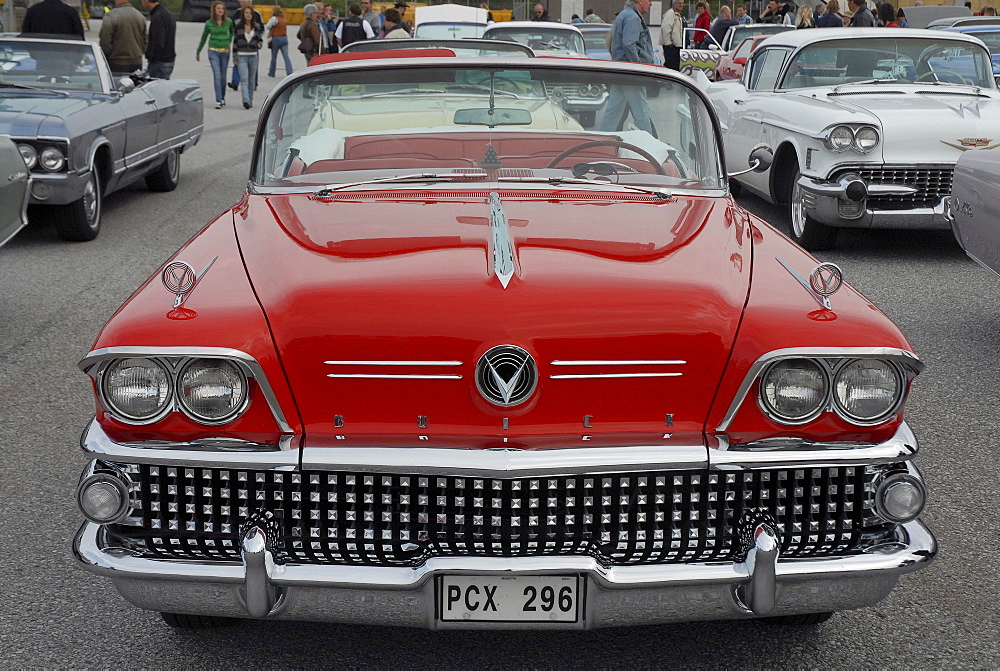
x=504 y=260
x=825 y=280
x=180 y=279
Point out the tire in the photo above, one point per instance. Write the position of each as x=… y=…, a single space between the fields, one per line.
x=807 y=620
x=196 y=622
x=809 y=233
x=167 y=176
x=81 y=221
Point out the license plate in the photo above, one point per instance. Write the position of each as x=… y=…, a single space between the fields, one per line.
x=495 y=598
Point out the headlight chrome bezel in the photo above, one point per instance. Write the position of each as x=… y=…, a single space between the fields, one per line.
x=174 y=367
x=832 y=368
x=60 y=163
x=855 y=144
x=774 y=413
x=119 y=413
x=183 y=405
x=29 y=154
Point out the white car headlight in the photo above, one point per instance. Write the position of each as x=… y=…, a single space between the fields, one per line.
x=29 y=155
x=212 y=390
x=52 y=159
x=136 y=389
x=841 y=138
x=794 y=391
x=867 y=390
x=866 y=139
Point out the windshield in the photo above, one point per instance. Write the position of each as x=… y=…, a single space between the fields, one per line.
x=899 y=60
x=49 y=65
x=530 y=122
x=595 y=40
x=451 y=31
x=541 y=39
x=467 y=48
x=991 y=38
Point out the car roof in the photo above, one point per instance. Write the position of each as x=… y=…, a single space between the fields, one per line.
x=798 y=38
x=972 y=30
x=533 y=25
x=965 y=20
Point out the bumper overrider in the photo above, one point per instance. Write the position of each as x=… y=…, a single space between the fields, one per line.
x=852 y=199
x=259 y=579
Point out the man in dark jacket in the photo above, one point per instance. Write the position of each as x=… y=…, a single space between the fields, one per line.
x=353 y=28
x=863 y=17
x=541 y=14
x=52 y=17
x=162 y=36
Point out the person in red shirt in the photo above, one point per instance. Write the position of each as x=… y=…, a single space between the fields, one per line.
x=703 y=20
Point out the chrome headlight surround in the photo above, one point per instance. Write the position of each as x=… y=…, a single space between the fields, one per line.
x=29 y=154
x=239 y=389
x=780 y=376
x=52 y=159
x=896 y=382
x=173 y=367
x=862 y=139
x=99 y=480
x=900 y=489
x=107 y=377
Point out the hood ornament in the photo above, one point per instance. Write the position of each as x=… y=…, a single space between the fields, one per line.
x=504 y=261
x=825 y=280
x=180 y=279
x=506 y=375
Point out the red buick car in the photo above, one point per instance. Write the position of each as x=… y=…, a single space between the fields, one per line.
x=458 y=360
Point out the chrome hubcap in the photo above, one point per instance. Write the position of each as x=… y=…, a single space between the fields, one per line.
x=173 y=163
x=798 y=211
x=90 y=204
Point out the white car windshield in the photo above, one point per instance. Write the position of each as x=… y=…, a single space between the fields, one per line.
x=540 y=39
x=49 y=65
x=835 y=62
x=530 y=122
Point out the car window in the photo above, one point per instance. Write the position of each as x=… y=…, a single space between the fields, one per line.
x=49 y=65
x=767 y=67
x=908 y=60
x=991 y=38
x=743 y=50
x=540 y=39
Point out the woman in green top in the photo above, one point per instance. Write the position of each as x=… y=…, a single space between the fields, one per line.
x=219 y=33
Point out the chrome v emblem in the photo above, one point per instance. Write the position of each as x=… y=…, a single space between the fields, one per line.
x=504 y=261
x=506 y=388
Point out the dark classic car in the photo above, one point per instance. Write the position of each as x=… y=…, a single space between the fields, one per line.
x=84 y=134
x=973 y=208
x=14 y=183
x=455 y=361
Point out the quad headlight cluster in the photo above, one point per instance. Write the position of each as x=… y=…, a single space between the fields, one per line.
x=141 y=390
x=863 y=391
x=862 y=139
x=45 y=157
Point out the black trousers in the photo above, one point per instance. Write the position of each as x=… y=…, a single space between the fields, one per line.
x=672 y=57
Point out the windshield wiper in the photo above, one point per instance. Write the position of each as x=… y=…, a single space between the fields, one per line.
x=12 y=85
x=559 y=181
x=416 y=177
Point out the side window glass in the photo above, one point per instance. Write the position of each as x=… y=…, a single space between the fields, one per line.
x=767 y=69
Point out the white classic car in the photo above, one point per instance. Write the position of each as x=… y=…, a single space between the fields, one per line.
x=865 y=125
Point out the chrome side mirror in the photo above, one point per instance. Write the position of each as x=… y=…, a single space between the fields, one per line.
x=126 y=85
x=760 y=160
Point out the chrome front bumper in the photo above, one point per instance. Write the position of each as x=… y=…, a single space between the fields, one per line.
x=822 y=201
x=64 y=188
x=762 y=584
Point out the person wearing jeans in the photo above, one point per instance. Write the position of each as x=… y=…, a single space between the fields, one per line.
x=219 y=33
x=246 y=51
x=278 y=33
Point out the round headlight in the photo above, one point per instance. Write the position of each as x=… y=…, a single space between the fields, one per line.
x=900 y=498
x=794 y=390
x=841 y=138
x=29 y=155
x=136 y=389
x=103 y=499
x=212 y=390
x=52 y=159
x=866 y=139
x=867 y=390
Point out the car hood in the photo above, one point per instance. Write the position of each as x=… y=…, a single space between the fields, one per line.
x=29 y=116
x=932 y=126
x=388 y=278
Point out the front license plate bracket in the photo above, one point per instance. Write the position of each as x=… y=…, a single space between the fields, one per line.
x=502 y=598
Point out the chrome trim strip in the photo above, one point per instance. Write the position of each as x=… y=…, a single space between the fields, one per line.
x=393 y=363
x=623 y=362
x=901 y=356
x=97 y=444
x=389 y=376
x=789 y=452
x=503 y=463
x=504 y=260
x=917 y=548
x=585 y=376
x=250 y=365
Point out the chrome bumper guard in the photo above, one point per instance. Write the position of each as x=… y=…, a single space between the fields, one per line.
x=822 y=204
x=261 y=587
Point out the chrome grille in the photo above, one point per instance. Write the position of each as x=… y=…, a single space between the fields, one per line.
x=932 y=185
x=401 y=520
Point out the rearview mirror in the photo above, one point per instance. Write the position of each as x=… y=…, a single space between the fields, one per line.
x=495 y=116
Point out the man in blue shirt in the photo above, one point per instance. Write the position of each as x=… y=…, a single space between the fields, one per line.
x=630 y=42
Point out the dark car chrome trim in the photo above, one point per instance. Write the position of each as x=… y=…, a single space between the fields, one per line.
x=903 y=357
x=247 y=362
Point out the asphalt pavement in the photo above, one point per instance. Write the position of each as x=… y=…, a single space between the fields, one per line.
x=55 y=296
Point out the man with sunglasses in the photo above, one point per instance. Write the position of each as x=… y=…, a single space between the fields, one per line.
x=541 y=14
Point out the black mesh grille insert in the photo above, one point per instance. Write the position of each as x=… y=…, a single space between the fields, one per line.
x=401 y=520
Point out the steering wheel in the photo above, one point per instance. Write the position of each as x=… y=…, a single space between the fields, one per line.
x=610 y=143
x=937 y=76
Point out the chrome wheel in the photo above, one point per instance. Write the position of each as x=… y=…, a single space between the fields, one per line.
x=798 y=211
x=91 y=206
x=173 y=165
x=808 y=232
